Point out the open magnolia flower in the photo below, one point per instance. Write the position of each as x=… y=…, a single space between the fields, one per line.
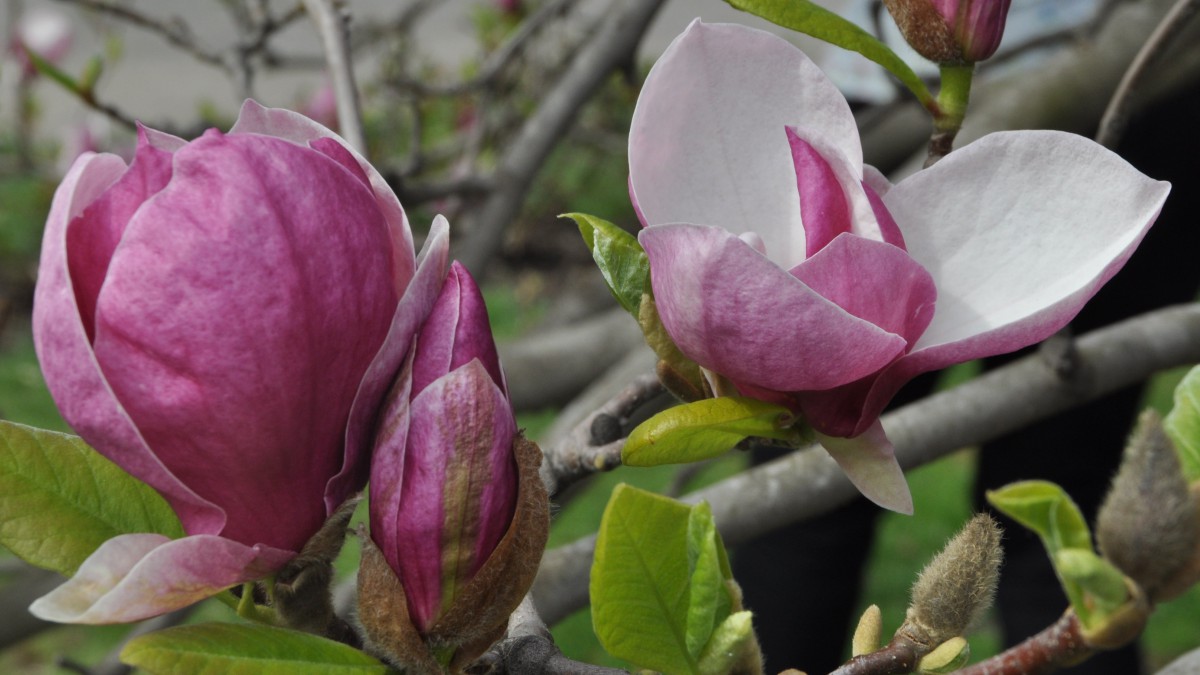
x=781 y=262
x=223 y=319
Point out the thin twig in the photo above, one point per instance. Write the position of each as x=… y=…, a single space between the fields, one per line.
x=1057 y=646
x=528 y=649
x=332 y=26
x=1116 y=115
x=174 y=31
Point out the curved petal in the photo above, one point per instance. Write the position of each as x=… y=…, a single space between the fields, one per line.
x=734 y=312
x=869 y=461
x=407 y=318
x=254 y=118
x=707 y=143
x=840 y=174
x=388 y=462
x=136 y=576
x=74 y=377
x=1019 y=229
x=235 y=377
x=459 y=486
x=93 y=236
x=1029 y=225
x=874 y=281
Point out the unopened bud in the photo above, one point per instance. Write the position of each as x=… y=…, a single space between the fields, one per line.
x=951 y=31
x=946 y=657
x=868 y=632
x=957 y=586
x=1149 y=526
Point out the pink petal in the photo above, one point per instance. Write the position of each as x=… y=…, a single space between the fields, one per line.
x=286 y=124
x=93 y=236
x=409 y=314
x=707 y=142
x=869 y=461
x=823 y=205
x=79 y=387
x=236 y=323
x=889 y=231
x=456 y=332
x=388 y=457
x=736 y=313
x=873 y=281
x=136 y=576
x=459 y=485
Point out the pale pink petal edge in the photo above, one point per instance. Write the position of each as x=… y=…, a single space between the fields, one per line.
x=869 y=461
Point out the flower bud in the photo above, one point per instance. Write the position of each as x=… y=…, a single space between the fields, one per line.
x=44 y=31
x=951 y=31
x=458 y=514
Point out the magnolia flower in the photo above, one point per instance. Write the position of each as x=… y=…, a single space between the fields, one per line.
x=44 y=31
x=458 y=513
x=951 y=31
x=781 y=262
x=222 y=319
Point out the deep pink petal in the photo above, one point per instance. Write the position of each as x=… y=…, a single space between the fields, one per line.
x=388 y=462
x=259 y=380
x=380 y=377
x=874 y=281
x=456 y=332
x=869 y=461
x=707 y=143
x=136 y=576
x=459 y=486
x=292 y=126
x=823 y=205
x=93 y=236
x=69 y=365
x=736 y=313
x=889 y=231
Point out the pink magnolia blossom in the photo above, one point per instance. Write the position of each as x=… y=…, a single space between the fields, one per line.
x=782 y=262
x=443 y=476
x=45 y=31
x=223 y=318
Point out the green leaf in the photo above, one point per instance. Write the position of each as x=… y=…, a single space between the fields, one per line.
x=704 y=429
x=639 y=582
x=619 y=256
x=60 y=499
x=811 y=19
x=732 y=643
x=708 y=595
x=1183 y=424
x=1046 y=509
x=1095 y=586
x=244 y=649
x=679 y=374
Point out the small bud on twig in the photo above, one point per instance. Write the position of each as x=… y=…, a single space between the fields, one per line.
x=1149 y=525
x=866 y=635
x=957 y=586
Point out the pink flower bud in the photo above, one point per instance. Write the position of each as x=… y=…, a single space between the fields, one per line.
x=222 y=318
x=44 y=31
x=951 y=31
x=451 y=483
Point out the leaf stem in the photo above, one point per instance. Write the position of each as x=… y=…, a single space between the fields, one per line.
x=951 y=109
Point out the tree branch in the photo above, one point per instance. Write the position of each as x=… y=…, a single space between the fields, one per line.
x=332 y=26
x=611 y=47
x=808 y=482
x=1116 y=115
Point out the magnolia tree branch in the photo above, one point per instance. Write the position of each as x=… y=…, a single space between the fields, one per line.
x=1116 y=116
x=612 y=46
x=808 y=482
x=528 y=649
x=1059 y=645
x=333 y=26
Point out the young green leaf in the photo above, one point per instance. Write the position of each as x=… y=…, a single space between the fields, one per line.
x=811 y=19
x=733 y=644
x=1099 y=585
x=619 y=256
x=639 y=583
x=60 y=499
x=708 y=595
x=244 y=649
x=704 y=429
x=1046 y=509
x=1183 y=424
